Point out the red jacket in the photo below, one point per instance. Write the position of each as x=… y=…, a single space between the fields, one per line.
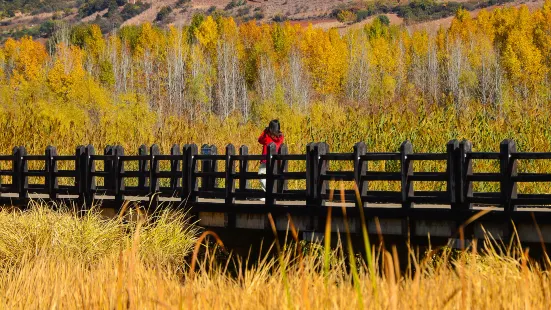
x=265 y=139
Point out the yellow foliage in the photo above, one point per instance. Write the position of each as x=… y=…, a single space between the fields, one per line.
x=28 y=57
x=165 y=90
x=67 y=70
x=207 y=34
x=325 y=56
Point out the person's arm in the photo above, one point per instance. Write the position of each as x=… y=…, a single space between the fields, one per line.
x=262 y=139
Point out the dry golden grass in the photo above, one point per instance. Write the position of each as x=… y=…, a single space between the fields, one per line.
x=52 y=259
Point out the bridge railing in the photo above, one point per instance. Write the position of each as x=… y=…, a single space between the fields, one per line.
x=192 y=174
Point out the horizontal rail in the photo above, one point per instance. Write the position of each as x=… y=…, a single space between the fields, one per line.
x=429 y=176
x=381 y=156
x=166 y=157
x=381 y=176
x=136 y=157
x=289 y=157
x=210 y=174
x=484 y=177
x=248 y=157
x=168 y=174
x=209 y=157
x=540 y=155
x=65 y=173
x=103 y=157
x=483 y=155
x=427 y=156
x=338 y=175
x=35 y=173
x=64 y=157
x=35 y=157
x=532 y=177
x=338 y=156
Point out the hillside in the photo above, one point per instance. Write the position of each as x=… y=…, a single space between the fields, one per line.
x=38 y=18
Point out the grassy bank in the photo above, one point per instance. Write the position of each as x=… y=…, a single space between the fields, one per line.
x=53 y=259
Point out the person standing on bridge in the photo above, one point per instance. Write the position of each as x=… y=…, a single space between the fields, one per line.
x=272 y=134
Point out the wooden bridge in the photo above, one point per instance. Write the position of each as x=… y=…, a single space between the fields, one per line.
x=215 y=187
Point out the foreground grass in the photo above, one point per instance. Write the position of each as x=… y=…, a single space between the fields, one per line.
x=54 y=259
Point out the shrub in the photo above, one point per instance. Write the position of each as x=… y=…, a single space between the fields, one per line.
x=363 y=14
x=182 y=2
x=346 y=17
x=259 y=15
x=384 y=20
x=243 y=11
x=92 y=6
x=211 y=9
x=47 y=28
x=163 y=13
x=130 y=10
x=234 y=3
x=279 y=18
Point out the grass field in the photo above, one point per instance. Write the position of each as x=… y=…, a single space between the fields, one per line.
x=60 y=259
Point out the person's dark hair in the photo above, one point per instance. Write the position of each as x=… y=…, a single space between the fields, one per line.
x=274 y=128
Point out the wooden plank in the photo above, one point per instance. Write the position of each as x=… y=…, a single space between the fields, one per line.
x=428 y=156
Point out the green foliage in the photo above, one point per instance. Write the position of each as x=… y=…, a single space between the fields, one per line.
x=133 y=9
x=92 y=6
x=106 y=75
x=196 y=21
x=422 y=10
x=163 y=13
x=363 y=14
x=279 y=18
x=47 y=28
x=80 y=33
x=130 y=35
x=384 y=20
x=234 y=3
x=345 y=16
x=9 y=7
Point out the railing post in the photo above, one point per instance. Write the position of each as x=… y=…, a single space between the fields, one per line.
x=453 y=170
x=407 y=171
x=243 y=168
x=360 y=169
x=80 y=179
x=175 y=167
x=185 y=170
x=205 y=167
x=464 y=187
x=311 y=167
x=230 y=183
x=213 y=168
x=24 y=179
x=50 y=165
x=15 y=169
x=119 y=173
x=283 y=166
x=270 y=171
x=508 y=168
x=108 y=180
x=230 y=171
x=143 y=168
x=322 y=167
x=90 y=167
x=153 y=177
x=191 y=169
